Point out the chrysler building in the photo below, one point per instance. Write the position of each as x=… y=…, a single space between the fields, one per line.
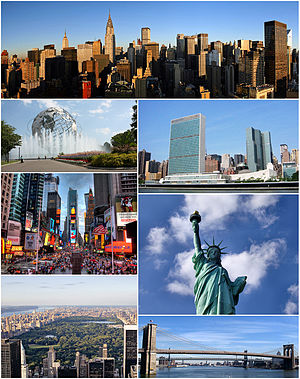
x=110 y=42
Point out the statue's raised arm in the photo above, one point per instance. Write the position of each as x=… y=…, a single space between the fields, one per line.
x=195 y=219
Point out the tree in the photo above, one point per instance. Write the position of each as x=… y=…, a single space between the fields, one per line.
x=123 y=142
x=134 y=123
x=9 y=139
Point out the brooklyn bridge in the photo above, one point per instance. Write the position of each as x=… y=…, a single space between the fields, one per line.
x=150 y=352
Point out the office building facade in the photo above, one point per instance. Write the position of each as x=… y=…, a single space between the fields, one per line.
x=187 y=145
x=276 y=64
x=259 y=149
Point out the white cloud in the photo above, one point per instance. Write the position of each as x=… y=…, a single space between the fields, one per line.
x=102 y=108
x=49 y=103
x=26 y=101
x=293 y=290
x=291 y=307
x=216 y=210
x=257 y=205
x=182 y=276
x=156 y=239
x=253 y=263
x=105 y=131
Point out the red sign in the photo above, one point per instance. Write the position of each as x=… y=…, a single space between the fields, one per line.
x=119 y=247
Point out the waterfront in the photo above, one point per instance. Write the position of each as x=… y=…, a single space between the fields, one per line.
x=223 y=372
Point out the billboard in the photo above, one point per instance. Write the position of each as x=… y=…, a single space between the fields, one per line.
x=109 y=218
x=119 y=247
x=14 y=232
x=28 y=221
x=31 y=241
x=73 y=215
x=58 y=212
x=126 y=208
x=73 y=236
x=51 y=225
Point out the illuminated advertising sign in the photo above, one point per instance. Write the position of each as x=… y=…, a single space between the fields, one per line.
x=47 y=238
x=51 y=225
x=110 y=219
x=119 y=247
x=31 y=241
x=58 y=212
x=17 y=250
x=73 y=216
x=73 y=236
x=126 y=208
x=28 y=221
x=14 y=232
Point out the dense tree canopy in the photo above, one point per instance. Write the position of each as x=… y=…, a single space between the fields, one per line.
x=9 y=139
x=134 y=123
x=123 y=142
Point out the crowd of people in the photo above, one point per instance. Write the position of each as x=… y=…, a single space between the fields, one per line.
x=60 y=262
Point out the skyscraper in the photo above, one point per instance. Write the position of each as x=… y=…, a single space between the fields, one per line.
x=6 y=185
x=32 y=198
x=130 y=349
x=16 y=197
x=110 y=41
x=202 y=42
x=50 y=185
x=54 y=209
x=259 y=149
x=145 y=34
x=187 y=145
x=65 y=41
x=10 y=358
x=276 y=69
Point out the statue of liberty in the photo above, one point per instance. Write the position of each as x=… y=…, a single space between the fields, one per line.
x=215 y=293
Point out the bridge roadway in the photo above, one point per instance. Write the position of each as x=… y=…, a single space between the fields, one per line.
x=213 y=352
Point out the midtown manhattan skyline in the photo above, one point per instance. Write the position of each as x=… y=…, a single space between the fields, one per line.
x=244 y=21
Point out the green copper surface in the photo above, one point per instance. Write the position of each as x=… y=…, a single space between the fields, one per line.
x=215 y=293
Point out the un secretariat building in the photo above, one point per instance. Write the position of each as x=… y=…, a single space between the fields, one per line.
x=187 y=145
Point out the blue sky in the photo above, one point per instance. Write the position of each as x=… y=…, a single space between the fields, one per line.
x=97 y=119
x=68 y=290
x=84 y=21
x=225 y=127
x=259 y=334
x=260 y=232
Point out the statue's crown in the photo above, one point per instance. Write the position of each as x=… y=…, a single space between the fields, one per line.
x=218 y=246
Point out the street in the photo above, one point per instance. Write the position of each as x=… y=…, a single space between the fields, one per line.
x=51 y=165
x=60 y=262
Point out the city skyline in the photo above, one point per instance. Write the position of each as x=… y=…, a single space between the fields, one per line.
x=68 y=291
x=226 y=124
x=100 y=119
x=260 y=232
x=246 y=21
x=259 y=334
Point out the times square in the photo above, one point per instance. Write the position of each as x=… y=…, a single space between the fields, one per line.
x=70 y=224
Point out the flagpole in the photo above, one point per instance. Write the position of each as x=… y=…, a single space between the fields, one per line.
x=37 y=250
x=111 y=239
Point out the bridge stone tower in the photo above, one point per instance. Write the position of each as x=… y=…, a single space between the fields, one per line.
x=245 y=361
x=148 y=356
x=288 y=350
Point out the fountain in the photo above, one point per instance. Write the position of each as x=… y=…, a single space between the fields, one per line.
x=54 y=131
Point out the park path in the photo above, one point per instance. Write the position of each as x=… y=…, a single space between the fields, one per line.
x=49 y=165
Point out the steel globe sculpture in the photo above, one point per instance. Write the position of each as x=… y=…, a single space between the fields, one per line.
x=54 y=121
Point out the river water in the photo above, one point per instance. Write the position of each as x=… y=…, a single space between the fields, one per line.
x=223 y=372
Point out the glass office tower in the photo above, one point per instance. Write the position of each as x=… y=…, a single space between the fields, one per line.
x=187 y=145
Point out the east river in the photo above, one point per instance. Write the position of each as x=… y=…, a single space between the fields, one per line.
x=223 y=372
